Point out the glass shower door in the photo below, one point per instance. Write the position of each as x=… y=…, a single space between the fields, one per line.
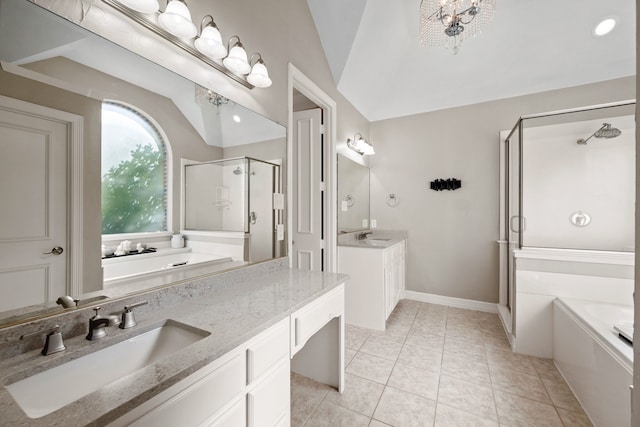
x=514 y=221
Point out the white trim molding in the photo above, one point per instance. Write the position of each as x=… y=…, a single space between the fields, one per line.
x=468 y=304
x=577 y=255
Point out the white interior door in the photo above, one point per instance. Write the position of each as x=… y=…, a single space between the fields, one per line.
x=307 y=190
x=33 y=211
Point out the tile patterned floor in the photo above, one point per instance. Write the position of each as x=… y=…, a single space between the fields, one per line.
x=437 y=366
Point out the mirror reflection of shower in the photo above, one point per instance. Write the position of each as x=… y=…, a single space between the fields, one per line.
x=240 y=171
x=605 y=132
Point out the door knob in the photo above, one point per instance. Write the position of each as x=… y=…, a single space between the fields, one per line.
x=55 y=251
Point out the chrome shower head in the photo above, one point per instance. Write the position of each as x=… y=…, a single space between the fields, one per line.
x=606 y=132
x=238 y=171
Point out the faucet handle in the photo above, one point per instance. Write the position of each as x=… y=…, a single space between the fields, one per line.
x=53 y=342
x=128 y=320
x=96 y=309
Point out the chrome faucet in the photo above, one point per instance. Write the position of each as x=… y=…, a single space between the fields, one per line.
x=67 y=302
x=363 y=235
x=97 y=326
x=53 y=343
x=128 y=320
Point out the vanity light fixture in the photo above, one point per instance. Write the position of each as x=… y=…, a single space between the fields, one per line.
x=210 y=41
x=142 y=6
x=236 y=61
x=175 y=25
x=360 y=145
x=259 y=76
x=176 y=19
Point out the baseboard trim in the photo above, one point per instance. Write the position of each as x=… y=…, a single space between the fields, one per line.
x=452 y=301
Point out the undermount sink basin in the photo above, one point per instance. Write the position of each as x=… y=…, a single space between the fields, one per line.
x=377 y=242
x=50 y=390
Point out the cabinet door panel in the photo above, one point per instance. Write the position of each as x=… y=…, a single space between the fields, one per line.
x=236 y=416
x=269 y=401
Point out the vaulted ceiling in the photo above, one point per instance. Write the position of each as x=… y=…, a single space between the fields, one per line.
x=373 y=50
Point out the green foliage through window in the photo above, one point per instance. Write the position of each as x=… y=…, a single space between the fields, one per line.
x=133 y=173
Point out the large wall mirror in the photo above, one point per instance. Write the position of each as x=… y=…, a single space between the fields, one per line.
x=83 y=121
x=353 y=195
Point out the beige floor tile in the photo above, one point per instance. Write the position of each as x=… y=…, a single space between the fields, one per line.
x=360 y=395
x=349 y=354
x=506 y=359
x=355 y=336
x=546 y=368
x=376 y=423
x=519 y=383
x=371 y=367
x=466 y=369
x=414 y=380
x=561 y=395
x=402 y=409
x=329 y=414
x=497 y=341
x=468 y=397
x=465 y=333
x=306 y=395
x=381 y=347
x=574 y=419
x=425 y=340
x=446 y=416
x=421 y=357
x=518 y=411
x=458 y=348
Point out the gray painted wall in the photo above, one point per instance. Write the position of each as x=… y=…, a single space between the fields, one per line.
x=452 y=248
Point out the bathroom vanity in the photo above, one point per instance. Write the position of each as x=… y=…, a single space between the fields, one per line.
x=376 y=268
x=251 y=324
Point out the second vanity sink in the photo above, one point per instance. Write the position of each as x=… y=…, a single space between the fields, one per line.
x=50 y=390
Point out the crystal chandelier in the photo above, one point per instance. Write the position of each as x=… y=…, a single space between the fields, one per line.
x=209 y=99
x=449 y=22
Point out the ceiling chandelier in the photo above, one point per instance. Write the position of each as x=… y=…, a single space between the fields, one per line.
x=210 y=100
x=449 y=22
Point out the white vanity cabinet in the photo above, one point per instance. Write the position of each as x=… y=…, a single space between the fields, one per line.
x=248 y=386
x=376 y=283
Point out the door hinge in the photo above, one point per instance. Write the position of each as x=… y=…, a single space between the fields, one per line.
x=323 y=129
x=323 y=186
x=322 y=244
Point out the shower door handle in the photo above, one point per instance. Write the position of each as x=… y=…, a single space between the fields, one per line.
x=511 y=225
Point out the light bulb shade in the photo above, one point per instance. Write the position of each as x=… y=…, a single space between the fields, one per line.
x=142 y=6
x=176 y=19
x=210 y=43
x=259 y=76
x=236 y=61
x=367 y=149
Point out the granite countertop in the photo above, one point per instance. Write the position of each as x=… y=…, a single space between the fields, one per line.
x=232 y=308
x=375 y=240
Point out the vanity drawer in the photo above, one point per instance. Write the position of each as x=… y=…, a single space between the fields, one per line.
x=266 y=352
x=201 y=399
x=310 y=319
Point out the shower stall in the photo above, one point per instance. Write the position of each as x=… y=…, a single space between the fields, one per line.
x=567 y=211
x=235 y=197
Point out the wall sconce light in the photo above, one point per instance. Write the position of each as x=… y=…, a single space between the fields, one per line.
x=360 y=145
x=176 y=26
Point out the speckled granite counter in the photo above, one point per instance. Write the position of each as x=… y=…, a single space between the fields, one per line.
x=379 y=239
x=233 y=307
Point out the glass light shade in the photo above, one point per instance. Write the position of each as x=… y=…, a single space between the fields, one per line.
x=176 y=19
x=210 y=43
x=367 y=149
x=142 y=6
x=259 y=76
x=604 y=27
x=236 y=61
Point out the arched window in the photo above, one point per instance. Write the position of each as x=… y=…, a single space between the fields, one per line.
x=134 y=172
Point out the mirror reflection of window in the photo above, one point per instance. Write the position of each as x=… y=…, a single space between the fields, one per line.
x=134 y=172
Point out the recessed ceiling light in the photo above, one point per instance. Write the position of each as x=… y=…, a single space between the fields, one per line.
x=604 y=27
x=236 y=118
